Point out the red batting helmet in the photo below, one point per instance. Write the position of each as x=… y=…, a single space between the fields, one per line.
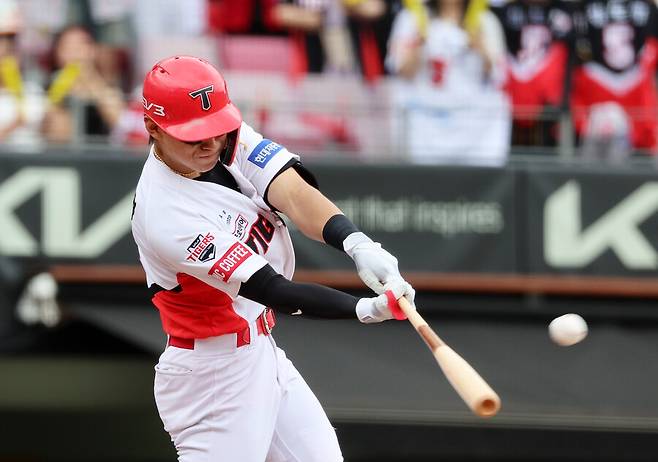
x=188 y=99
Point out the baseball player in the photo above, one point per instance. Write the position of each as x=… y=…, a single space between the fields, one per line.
x=219 y=258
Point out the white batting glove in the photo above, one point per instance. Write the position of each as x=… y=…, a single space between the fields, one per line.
x=375 y=266
x=382 y=307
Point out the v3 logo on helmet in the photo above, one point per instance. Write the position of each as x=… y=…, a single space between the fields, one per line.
x=203 y=93
x=156 y=109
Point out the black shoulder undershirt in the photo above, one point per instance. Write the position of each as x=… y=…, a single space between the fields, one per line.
x=221 y=176
x=271 y=289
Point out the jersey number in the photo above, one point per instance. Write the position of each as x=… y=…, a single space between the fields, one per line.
x=262 y=233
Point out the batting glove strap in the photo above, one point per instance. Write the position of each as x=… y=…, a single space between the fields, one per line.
x=371 y=310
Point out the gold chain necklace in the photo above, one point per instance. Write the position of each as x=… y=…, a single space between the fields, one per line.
x=192 y=174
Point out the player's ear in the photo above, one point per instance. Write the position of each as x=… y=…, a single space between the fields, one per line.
x=152 y=129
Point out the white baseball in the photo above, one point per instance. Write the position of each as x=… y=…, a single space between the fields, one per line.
x=568 y=329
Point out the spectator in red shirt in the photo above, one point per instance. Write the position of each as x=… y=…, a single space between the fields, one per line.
x=616 y=71
x=539 y=34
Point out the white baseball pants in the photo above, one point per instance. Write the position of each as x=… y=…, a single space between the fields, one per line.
x=223 y=403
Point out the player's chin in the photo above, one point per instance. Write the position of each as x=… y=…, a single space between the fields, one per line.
x=206 y=161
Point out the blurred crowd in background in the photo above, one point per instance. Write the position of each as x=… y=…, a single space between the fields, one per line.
x=434 y=81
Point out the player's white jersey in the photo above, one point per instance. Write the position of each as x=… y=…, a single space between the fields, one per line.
x=200 y=240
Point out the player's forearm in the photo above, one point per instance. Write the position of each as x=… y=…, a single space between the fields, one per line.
x=311 y=213
x=272 y=289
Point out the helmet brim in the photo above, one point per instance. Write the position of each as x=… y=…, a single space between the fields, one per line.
x=226 y=120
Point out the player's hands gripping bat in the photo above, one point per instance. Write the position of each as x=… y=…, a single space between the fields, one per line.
x=377 y=268
x=382 y=307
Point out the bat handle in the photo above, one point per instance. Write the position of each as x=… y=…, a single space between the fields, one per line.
x=408 y=309
x=427 y=334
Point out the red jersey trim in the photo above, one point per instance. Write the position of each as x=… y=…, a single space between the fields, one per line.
x=198 y=310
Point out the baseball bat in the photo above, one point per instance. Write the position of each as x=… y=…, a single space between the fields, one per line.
x=472 y=388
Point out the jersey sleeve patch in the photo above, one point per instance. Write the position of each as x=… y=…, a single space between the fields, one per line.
x=264 y=152
x=201 y=249
x=223 y=268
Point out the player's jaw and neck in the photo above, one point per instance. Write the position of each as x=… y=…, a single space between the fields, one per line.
x=188 y=159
